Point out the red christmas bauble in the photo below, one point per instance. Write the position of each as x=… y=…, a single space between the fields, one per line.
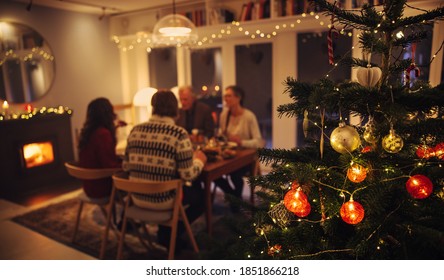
x=439 y=151
x=366 y=149
x=356 y=173
x=296 y=201
x=303 y=211
x=425 y=151
x=352 y=212
x=419 y=186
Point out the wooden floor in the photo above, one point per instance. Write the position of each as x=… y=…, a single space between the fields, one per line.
x=20 y=243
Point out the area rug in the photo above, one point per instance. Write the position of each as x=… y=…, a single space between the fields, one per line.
x=57 y=222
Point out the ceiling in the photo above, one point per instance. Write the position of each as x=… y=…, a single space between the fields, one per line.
x=106 y=7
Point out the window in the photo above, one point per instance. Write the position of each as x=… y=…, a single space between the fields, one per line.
x=313 y=61
x=254 y=74
x=163 y=68
x=206 y=66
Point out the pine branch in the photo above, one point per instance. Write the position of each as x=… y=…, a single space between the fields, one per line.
x=412 y=21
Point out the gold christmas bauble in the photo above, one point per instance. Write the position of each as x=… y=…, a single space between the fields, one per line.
x=392 y=143
x=370 y=135
x=344 y=139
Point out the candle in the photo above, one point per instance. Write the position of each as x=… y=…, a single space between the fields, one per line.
x=5 y=105
x=28 y=108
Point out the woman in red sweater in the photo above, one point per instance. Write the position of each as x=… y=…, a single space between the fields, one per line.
x=97 y=145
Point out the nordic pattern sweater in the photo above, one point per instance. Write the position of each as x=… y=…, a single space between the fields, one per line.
x=159 y=150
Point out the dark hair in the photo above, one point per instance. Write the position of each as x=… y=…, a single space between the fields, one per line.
x=238 y=91
x=165 y=104
x=100 y=113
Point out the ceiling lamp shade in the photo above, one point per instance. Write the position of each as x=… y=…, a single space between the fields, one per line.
x=174 y=30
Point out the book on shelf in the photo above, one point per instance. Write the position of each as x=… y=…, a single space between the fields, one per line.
x=246 y=11
x=198 y=17
x=219 y=15
x=291 y=7
x=255 y=10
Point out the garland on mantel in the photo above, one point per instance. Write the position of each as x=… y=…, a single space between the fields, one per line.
x=35 y=113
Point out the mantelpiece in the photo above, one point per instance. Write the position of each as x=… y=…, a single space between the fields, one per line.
x=33 y=152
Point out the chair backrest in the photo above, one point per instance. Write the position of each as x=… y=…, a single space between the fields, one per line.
x=89 y=173
x=122 y=182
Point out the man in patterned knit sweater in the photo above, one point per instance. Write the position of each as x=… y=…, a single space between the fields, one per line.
x=159 y=150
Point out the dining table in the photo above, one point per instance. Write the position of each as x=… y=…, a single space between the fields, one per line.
x=216 y=169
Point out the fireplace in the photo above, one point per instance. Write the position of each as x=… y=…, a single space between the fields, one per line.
x=37 y=154
x=33 y=152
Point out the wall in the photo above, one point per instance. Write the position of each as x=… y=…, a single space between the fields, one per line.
x=87 y=61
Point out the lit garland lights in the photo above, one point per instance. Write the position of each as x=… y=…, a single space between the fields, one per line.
x=236 y=28
x=35 y=113
x=25 y=55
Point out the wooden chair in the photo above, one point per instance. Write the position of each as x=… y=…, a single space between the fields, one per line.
x=150 y=216
x=89 y=174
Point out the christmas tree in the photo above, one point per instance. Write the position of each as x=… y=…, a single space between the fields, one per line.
x=369 y=191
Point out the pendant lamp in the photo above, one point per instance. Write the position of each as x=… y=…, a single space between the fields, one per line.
x=174 y=30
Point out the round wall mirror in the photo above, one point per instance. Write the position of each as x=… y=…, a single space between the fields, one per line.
x=27 y=66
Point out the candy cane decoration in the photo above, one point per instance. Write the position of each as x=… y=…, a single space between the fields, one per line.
x=412 y=66
x=332 y=31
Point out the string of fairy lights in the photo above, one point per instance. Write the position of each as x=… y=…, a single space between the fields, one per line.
x=25 y=55
x=33 y=113
x=236 y=28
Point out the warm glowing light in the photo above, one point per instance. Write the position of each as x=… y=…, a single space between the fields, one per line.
x=352 y=212
x=174 y=29
x=392 y=142
x=296 y=201
x=439 y=150
x=419 y=186
x=5 y=105
x=36 y=154
x=204 y=88
x=425 y=152
x=28 y=108
x=356 y=173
